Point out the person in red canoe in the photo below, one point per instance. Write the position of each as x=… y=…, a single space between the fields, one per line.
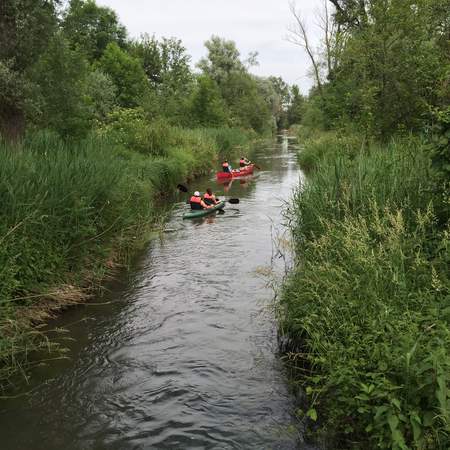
x=197 y=203
x=226 y=166
x=209 y=198
x=243 y=162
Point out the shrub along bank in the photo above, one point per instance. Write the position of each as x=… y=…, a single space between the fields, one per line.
x=367 y=305
x=70 y=210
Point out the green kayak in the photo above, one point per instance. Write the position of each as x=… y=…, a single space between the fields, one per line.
x=203 y=212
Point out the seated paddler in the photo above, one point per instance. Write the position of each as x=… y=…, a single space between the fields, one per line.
x=197 y=203
x=243 y=162
x=226 y=166
x=209 y=198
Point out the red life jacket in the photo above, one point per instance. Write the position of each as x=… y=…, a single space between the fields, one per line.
x=196 y=202
x=209 y=199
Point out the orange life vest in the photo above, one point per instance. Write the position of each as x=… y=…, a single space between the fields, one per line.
x=209 y=199
x=196 y=202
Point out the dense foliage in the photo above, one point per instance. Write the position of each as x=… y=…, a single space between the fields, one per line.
x=367 y=304
x=80 y=65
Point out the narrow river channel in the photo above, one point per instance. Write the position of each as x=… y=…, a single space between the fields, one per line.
x=183 y=352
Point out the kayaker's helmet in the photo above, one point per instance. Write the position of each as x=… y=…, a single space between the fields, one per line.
x=196 y=194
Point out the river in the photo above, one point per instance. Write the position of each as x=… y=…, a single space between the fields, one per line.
x=182 y=352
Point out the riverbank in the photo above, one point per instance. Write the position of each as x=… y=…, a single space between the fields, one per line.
x=366 y=307
x=181 y=352
x=72 y=212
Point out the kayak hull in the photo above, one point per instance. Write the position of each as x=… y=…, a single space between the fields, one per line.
x=203 y=212
x=248 y=170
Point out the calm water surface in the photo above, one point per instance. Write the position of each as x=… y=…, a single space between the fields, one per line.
x=183 y=355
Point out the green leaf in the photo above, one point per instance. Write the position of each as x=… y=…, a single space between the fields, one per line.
x=393 y=422
x=416 y=427
x=312 y=414
x=380 y=411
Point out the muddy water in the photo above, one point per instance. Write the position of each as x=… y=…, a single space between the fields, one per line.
x=182 y=354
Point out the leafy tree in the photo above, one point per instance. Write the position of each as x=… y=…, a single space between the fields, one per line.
x=248 y=107
x=208 y=108
x=127 y=74
x=244 y=95
x=91 y=27
x=25 y=29
x=222 y=60
x=100 y=95
x=61 y=75
x=15 y=94
x=280 y=101
x=166 y=64
x=296 y=106
x=147 y=49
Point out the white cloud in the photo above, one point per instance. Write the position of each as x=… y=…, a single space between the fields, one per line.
x=255 y=25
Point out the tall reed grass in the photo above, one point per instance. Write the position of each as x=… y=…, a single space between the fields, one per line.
x=68 y=208
x=367 y=304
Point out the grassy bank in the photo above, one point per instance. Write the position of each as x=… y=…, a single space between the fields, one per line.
x=367 y=305
x=71 y=211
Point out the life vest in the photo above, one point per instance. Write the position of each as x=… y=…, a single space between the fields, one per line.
x=196 y=202
x=208 y=199
x=226 y=167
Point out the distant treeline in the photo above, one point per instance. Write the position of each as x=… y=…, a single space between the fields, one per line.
x=71 y=69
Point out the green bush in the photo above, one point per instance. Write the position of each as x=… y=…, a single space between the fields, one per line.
x=367 y=304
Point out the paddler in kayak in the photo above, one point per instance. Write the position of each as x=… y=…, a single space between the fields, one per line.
x=209 y=198
x=197 y=203
x=226 y=166
x=244 y=162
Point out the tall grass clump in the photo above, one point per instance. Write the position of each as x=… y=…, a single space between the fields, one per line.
x=326 y=144
x=230 y=142
x=69 y=209
x=367 y=306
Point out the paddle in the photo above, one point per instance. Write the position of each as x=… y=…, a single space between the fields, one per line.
x=256 y=165
x=182 y=188
x=233 y=201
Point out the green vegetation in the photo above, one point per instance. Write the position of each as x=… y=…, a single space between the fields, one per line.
x=69 y=208
x=94 y=129
x=366 y=307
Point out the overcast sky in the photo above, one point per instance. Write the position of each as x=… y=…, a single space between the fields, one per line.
x=255 y=25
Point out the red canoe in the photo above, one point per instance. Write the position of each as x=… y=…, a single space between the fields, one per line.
x=248 y=170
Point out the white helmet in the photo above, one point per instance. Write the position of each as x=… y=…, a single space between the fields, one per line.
x=196 y=194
